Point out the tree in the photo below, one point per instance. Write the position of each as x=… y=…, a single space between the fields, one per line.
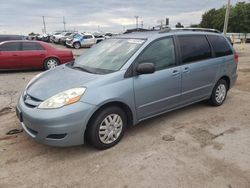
x=32 y=33
x=239 y=18
x=178 y=25
x=194 y=25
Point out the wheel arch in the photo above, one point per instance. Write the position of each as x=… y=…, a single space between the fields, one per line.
x=122 y=105
x=49 y=57
x=227 y=79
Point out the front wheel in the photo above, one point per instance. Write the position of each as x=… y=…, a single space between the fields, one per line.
x=219 y=93
x=107 y=127
x=50 y=63
x=77 y=45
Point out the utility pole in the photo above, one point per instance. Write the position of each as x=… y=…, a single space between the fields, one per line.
x=226 y=18
x=142 y=24
x=136 y=22
x=44 y=25
x=64 y=23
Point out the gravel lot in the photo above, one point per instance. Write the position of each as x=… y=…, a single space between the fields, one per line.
x=198 y=146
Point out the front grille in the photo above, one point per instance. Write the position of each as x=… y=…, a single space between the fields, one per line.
x=30 y=101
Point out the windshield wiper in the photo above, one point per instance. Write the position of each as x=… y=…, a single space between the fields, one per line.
x=81 y=68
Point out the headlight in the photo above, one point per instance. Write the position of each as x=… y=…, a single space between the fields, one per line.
x=64 y=98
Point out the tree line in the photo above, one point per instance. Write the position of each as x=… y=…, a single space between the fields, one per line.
x=239 y=18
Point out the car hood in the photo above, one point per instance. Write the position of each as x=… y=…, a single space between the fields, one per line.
x=54 y=81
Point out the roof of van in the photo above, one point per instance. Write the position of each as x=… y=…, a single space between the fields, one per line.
x=159 y=33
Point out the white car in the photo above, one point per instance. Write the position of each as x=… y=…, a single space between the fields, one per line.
x=81 y=40
x=57 y=38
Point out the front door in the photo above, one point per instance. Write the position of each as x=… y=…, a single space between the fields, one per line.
x=161 y=90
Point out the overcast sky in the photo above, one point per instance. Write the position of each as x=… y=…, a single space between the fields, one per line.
x=24 y=16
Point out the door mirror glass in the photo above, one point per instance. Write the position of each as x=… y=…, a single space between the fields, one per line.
x=145 y=68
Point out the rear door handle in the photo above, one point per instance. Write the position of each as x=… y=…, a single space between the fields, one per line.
x=186 y=70
x=175 y=73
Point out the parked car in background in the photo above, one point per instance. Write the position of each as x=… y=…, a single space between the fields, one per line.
x=81 y=40
x=99 y=37
x=11 y=37
x=123 y=81
x=63 y=39
x=58 y=38
x=31 y=55
x=43 y=37
x=54 y=35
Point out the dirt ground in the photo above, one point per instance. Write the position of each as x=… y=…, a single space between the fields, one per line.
x=198 y=146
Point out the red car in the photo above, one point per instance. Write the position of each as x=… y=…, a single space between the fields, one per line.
x=20 y=54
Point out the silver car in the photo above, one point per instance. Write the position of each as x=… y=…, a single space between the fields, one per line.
x=123 y=81
x=81 y=40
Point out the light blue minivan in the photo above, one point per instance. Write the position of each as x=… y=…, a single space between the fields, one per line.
x=123 y=81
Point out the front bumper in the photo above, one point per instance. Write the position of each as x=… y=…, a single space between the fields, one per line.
x=69 y=44
x=56 y=127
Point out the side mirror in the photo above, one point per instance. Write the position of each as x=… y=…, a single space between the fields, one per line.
x=145 y=68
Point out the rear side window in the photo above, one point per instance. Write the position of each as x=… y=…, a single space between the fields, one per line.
x=88 y=36
x=161 y=53
x=31 y=46
x=220 y=45
x=11 y=46
x=194 y=48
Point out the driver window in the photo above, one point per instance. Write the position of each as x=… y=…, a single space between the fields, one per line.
x=161 y=53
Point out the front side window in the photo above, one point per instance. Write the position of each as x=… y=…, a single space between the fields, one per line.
x=67 y=34
x=220 y=45
x=27 y=46
x=108 y=56
x=11 y=46
x=161 y=53
x=194 y=48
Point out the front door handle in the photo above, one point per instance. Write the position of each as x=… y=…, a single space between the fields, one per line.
x=186 y=70
x=175 y=73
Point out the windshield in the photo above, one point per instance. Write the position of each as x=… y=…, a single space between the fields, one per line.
x=78 y=36
x=108 y=56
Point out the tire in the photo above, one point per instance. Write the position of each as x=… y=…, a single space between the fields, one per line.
x=219 y=93
x=77 y=45
x=100 y=133
x=50 y=63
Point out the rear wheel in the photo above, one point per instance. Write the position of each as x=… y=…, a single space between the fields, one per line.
x=77 y=45
x=219 y=93
x=107 y=127
x=51 y=63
